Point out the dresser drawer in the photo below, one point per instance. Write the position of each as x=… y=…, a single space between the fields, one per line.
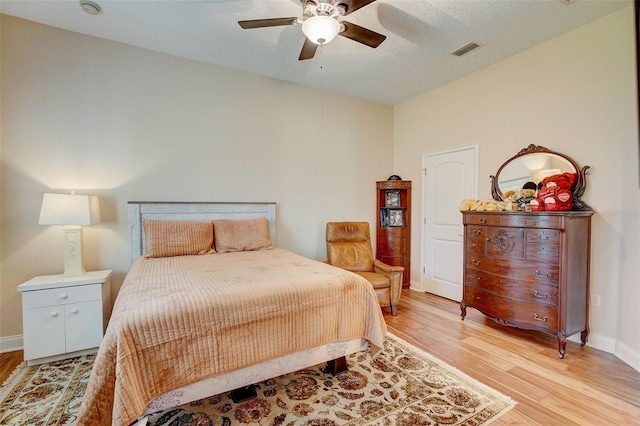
x=523 y=271
x=481 y=219
x=532 y=314
x=506 y=243
x=61 y=296
x=530 y=220
x=543 y=252
x=549 y=236
x=514 y=289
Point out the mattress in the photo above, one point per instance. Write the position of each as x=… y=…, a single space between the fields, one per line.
x=179 y=320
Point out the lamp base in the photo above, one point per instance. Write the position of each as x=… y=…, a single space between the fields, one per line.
x=73 y=262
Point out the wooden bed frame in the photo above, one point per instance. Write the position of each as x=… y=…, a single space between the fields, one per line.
x=241 y=380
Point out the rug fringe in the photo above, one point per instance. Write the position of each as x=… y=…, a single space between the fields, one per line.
x=13 y=378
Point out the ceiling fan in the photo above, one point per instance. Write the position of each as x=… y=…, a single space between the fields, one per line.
x=321 y=23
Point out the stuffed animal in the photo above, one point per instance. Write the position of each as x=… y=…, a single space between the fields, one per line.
x=467 y=205
x=486 y=206
x=555 y=193
x=521 y=197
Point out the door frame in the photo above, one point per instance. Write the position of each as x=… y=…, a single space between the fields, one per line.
x=476 y=156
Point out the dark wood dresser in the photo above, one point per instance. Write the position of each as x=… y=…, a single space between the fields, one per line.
x=529 y=270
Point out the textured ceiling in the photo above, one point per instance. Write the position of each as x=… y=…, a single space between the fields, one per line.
x=415 y=58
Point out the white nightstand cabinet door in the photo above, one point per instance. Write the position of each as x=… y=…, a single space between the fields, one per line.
x=64 y=316
x=45 y=328
x=83 y=325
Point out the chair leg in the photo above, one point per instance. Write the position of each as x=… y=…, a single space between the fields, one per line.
x=393 y=309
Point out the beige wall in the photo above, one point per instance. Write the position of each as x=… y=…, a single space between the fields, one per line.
x=575 y=94
x=130 y=124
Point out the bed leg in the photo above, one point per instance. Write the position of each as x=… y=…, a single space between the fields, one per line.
x=336 y=366
x=244 y=393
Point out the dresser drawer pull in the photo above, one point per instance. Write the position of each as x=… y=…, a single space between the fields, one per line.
x=541 y=296
x=64 y=296
x=482 y=220
x=74 y=311
x=54 y=314
x=476 y=231
x=541 y=274
x=529 y=222
x=543 y=237
x=544 y=318
x=475 y=262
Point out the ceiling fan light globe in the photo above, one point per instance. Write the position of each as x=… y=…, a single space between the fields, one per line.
x=321 y=29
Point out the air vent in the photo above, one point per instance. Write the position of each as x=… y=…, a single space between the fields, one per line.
x=466 y=49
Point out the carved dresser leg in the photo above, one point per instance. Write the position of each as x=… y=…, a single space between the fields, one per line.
x=583 y=336
x=562 y=346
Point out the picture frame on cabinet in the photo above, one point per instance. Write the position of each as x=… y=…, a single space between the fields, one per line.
x=392 y=199
x=396 y=217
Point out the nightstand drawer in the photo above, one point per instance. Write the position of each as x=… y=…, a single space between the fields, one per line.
x=61 y=296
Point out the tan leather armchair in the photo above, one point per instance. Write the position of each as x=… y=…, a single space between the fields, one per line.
x=349 y=247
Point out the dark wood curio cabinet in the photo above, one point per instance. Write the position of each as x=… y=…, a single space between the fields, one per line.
x=393 y=233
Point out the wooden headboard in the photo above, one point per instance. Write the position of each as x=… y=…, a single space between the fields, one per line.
x=195 y=211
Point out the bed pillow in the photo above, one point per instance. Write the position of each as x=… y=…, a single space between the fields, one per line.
x=242 y=235
x=177 y=238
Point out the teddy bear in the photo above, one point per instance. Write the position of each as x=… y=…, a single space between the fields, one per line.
x=555 y=193
x=520 y=197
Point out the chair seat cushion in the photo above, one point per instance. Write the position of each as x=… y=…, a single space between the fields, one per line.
x=377 y=280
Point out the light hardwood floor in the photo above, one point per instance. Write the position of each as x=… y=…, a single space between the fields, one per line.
x=587 y=387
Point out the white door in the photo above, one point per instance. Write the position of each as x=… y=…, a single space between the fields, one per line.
x=448 y=178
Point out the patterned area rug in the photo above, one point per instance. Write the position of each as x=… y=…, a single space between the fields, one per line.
x=401 y=386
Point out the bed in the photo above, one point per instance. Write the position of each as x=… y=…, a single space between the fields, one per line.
x=185 y=327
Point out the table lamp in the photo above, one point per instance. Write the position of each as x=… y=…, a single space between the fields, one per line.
x=72 y=211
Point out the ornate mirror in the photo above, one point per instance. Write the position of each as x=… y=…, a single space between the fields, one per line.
x=533 y=164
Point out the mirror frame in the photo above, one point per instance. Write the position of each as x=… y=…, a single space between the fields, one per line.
x=579 y=186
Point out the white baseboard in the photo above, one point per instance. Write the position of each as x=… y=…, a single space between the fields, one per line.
x=11 y=343
x=628 y=355
x=597 y=341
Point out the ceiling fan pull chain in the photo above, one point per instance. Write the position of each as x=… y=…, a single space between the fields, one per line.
x=322 y=97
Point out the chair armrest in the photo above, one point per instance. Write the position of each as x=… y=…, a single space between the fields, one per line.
x=395 y=275
x=386 y=268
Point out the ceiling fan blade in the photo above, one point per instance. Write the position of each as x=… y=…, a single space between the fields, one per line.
x=353 y=5
x=308 y=50
x=261 y=23
x=362 y=35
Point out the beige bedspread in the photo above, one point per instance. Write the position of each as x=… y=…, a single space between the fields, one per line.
x=178 y=320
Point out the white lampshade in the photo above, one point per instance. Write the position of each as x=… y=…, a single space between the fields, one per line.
x=321 y=29
x=72 y=211
x=69 y=209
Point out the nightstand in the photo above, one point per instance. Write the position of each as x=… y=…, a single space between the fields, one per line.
x=64 y=316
